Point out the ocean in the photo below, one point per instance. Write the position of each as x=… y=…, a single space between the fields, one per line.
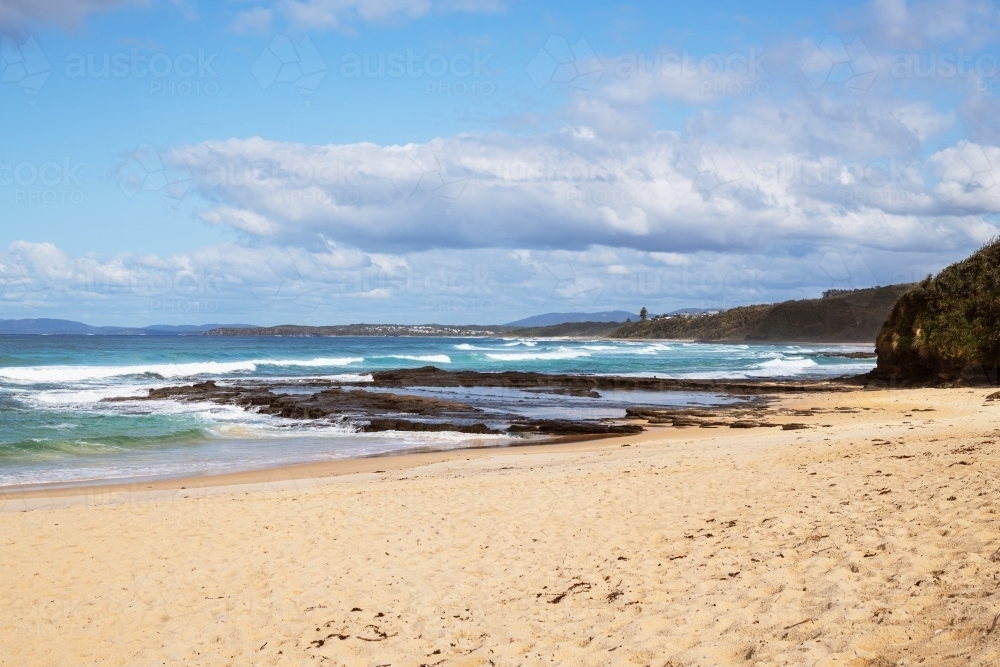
x=55 y=428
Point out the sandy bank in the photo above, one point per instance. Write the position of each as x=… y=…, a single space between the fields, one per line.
x=864 y=540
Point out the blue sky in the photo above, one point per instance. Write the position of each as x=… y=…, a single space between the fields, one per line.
x=333 y=161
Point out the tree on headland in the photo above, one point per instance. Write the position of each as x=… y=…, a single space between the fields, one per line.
x=643 y=313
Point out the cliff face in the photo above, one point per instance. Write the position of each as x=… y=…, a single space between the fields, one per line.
x=948 y=327
x=849 y=317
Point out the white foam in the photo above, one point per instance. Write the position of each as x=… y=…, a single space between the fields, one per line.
x=651 y=349
x=784 y=367
x=433 y=358
x=62 y=374
x=466 y=346
x=86 y=396
x=529 y=343
x=347 y=377
x=628 y=348
x=561 y=353
x=310 y=363
x=790 y=366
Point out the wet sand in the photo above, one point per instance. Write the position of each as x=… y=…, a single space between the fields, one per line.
x=869 y=538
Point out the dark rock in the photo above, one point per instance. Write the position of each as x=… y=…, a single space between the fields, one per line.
x=382 y=424
x=430 y=376
x=377 y=410
x=850 y=355
x=565 y=427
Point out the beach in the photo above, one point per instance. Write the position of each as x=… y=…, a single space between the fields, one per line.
x=868 y=538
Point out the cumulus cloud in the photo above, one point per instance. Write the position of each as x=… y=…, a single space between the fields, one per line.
x=917 y=24
x=273 y=285
x=341 y=14
x=969 y=177
x=256 y=21
x=572 y=189
x=242 y=220
x=637 y=78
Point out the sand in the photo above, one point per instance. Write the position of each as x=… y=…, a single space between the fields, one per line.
x=870 y=538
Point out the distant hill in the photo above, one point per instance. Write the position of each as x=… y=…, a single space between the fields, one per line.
x=550 y=319
x=44 y=326
x=948 y=327
x=572 y=329
x=54 y=327
x=362 y=330
x=841 y=316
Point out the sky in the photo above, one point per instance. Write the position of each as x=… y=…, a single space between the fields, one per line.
x=480 y=161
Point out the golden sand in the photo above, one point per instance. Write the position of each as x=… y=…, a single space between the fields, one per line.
x=867 y=539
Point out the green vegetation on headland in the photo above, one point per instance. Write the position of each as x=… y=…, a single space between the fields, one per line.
x=576 y=329
x=841 y=316
x=948 y=327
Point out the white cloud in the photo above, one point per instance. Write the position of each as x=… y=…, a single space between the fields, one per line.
x=243 y=220
x=666 y=193
x=273 y=285
x=923 y=121
x=256 y=21
x=925 y=22
x=67 y=13
x=671 y=258
x=969 y=178
x=341 y=14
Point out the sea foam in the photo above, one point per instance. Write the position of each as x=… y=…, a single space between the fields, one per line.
x=61 y=374
x=561 y=353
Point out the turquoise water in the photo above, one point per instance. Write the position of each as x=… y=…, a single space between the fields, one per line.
x=55 y=428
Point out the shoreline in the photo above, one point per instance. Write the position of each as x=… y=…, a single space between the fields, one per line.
x=310 y=472
x=760 y=394
x=869 y=537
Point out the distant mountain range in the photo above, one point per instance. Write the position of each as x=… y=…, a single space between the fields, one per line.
x=840 y=316
x=51 y=327
x=550 y=319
